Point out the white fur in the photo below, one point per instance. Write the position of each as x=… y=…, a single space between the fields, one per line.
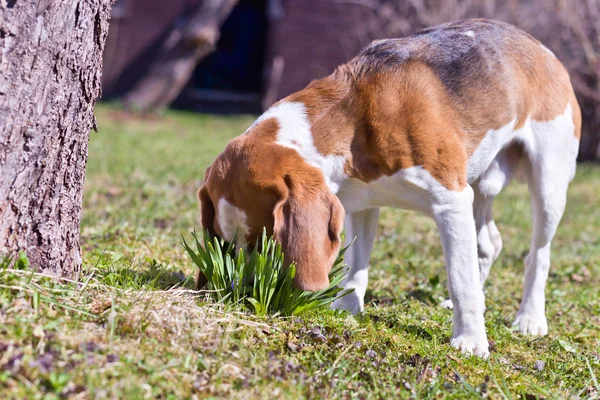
x=361 y=225
x=295 y=133
x=469 y=33
x=548 y=50
x=500 y=172
x=232 y=221
x=489 y=240
x=552 y=149
x=492 y=143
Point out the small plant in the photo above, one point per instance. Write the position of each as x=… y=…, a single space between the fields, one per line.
x=261 y=280
x=21 y=263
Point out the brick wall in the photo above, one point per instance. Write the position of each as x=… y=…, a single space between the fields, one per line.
x=136 y=30
x=313 y=37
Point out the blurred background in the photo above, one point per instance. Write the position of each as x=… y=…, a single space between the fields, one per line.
x=240 y=56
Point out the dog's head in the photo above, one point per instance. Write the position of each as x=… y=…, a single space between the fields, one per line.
x=256 y=183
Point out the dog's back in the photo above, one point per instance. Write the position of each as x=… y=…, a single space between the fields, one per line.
x=487 y=67
x=442 y=94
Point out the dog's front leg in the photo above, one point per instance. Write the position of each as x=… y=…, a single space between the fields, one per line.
x=453 y=213
x=361 y=225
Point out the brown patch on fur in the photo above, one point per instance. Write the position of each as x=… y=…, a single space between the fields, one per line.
x=543 y=86
x=407 y=121
x=207 y=215
x=265 y=130
x=207 y=208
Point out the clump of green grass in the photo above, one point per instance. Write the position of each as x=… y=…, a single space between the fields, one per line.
x=260 y=281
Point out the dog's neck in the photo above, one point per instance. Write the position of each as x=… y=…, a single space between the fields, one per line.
x=320 y=122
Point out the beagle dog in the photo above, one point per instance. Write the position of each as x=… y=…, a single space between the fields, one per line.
x=438 y=122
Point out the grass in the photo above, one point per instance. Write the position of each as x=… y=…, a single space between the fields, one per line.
x=131 y=327
x=259 y=281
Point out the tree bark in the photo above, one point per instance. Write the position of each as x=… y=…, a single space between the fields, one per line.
x=50 y=72
x=186 y=45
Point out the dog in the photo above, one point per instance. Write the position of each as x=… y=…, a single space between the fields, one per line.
x=438 y=122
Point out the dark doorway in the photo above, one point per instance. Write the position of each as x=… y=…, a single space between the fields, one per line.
x=230 y=80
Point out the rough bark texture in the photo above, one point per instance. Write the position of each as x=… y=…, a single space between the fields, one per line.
x=50 y=72
x=186 y=45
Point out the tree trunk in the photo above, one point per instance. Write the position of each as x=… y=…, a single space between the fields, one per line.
x=50 y=71
x=186 y=45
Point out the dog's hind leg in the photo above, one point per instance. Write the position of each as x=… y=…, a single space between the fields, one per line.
x=489 y=241
x=498 y=175
x=551 y=153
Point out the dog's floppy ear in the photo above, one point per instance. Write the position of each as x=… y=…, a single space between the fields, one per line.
x=207 y=208
x=308 y=223
x=207 y=213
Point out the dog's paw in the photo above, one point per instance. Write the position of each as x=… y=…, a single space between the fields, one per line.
x=531 y=324
x=447 y=304
x=472 y=346
x=350 y=302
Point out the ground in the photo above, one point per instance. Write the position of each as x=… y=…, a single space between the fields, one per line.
x=130 y=327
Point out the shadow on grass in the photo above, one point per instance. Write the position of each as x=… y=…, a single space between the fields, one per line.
x=153 y=277
x=425 y=296
x=391 y=321
x=424 y=290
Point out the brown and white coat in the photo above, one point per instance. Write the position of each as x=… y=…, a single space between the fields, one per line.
x=438 y=122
